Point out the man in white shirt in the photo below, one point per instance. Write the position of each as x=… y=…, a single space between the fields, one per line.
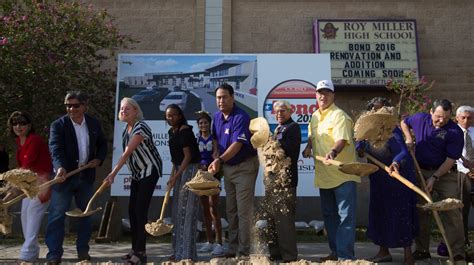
x=75 y=139
x=465 y=165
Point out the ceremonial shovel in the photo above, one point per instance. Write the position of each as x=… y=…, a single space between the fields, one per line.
x=435 y=213
x=430 y=205
x=87 y=212
x=6 y=219
x=159 y=227
x=353 y=168
x=44 y=186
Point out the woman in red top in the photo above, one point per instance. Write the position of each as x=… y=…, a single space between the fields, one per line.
x=32 y=154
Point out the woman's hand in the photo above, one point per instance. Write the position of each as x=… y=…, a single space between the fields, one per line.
x=110 y=178
x=172 y=181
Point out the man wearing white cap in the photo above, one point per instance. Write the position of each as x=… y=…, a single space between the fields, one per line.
x=330 y=135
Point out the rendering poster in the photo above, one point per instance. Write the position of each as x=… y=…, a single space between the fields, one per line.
x=189 y=80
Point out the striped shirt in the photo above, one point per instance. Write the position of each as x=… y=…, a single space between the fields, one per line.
x=145 y=157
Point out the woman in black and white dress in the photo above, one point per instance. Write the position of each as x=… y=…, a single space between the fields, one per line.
x=145 y=165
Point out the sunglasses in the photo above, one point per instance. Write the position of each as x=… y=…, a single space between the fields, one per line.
x=21 y=123
x=75 y=106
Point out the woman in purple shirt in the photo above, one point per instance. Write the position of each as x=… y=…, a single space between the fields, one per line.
x=208 y=149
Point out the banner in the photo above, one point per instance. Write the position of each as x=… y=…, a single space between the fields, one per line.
x=189 y=80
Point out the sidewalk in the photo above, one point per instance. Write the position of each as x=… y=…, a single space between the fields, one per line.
x=157 y=253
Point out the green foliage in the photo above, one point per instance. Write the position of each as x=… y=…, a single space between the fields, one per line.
x=412 y=94
x=50 y=47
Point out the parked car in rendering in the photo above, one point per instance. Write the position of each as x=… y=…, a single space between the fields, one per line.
x=179 y=98
x=147 y=95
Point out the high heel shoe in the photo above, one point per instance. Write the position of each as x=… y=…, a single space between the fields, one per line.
x=137 y=259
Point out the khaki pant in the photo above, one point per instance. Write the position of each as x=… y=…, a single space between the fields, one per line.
x=239 y=182
x=445 y=187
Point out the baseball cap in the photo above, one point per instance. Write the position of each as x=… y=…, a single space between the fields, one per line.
x=325 y=84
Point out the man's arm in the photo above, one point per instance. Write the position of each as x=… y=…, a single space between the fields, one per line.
x=336 y=149
x=406 y=132
x=56 y=145
x=233 y=149
x=441 y=171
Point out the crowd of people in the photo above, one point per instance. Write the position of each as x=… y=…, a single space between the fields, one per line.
x=443 y=149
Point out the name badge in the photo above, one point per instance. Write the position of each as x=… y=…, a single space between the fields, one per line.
x=226 y=131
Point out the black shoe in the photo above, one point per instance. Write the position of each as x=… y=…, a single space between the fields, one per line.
x=419 y=255
x=53 y=262
x=275 y=257
x=229 y=255
x=83 y=256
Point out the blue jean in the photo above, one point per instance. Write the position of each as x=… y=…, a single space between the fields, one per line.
x=339 y=211
x=82 y=191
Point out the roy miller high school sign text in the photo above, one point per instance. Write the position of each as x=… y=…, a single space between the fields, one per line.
x=367 y=52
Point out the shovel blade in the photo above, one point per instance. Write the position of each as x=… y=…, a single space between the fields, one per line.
x=444 y=205
x=79 y=213
x=359 y=169
x=158 y=228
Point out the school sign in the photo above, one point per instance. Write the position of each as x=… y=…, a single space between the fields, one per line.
x=367 y=52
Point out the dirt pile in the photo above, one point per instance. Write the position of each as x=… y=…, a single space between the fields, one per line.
x=158 y=228
x=203 y=184
x=22 y=179
x=375 y=126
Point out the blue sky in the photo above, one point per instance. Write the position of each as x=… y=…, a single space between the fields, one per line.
x=139 y=64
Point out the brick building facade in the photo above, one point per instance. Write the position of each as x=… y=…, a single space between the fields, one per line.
x=445 y=37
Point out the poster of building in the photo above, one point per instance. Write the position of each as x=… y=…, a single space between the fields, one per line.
x=189 y=80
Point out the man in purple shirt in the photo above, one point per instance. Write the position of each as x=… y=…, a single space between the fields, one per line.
x=239 y=165
x=439 y=143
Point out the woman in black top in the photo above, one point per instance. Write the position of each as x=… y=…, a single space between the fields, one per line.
x=185 y=158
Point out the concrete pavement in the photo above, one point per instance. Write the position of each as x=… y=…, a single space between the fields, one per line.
x=157 y=253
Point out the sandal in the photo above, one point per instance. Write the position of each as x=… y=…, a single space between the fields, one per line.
x=137 y=259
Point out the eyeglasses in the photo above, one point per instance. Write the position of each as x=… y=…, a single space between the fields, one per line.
x=75 y=106
x=21 y=123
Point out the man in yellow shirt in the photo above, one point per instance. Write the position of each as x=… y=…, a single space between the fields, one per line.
x=330 y=135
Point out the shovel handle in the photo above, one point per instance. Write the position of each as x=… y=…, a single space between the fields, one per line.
x=56 y=180
x=165 y=201
x=45 y=185
x=330 y=161
x=101 y=189
x=400 y=178
x=439 y=223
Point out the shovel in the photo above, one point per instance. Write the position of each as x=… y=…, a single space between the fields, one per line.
x=435 y=213
x=430 y=205
x=44 y=186
x=87 y=212
x=353 y=168
x=159 y=227
x=6 y=219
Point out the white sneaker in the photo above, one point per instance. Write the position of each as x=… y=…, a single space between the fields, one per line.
x=218 y=250
x=208 y=247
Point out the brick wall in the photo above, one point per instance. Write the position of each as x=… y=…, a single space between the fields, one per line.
x=445 y=36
